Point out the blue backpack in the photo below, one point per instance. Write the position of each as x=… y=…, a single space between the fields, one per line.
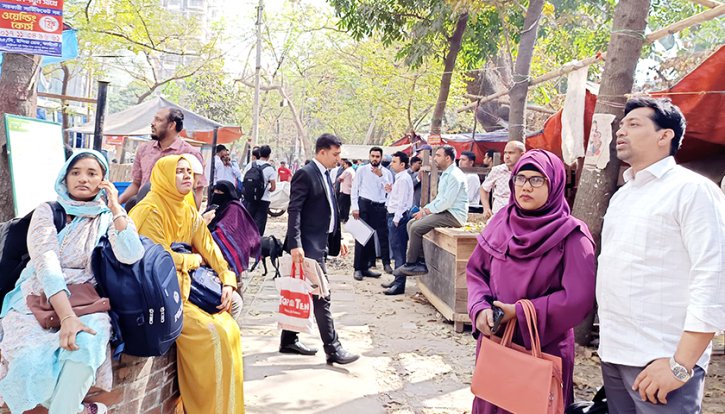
x=147 y=312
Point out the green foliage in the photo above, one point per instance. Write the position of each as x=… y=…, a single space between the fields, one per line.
x=153 y=45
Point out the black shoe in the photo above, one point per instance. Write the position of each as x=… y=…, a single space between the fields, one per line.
x=358 y=275
x=297 y=348
x=397 y=287
x=395 y=290
x=397 y=272
x=368 y=273
x=341 y=357
x=387 y=285
x=388 y=269
x=413 y=269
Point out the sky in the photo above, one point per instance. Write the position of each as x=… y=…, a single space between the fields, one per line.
x=241 y=15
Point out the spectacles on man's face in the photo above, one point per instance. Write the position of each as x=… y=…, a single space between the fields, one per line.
x=535 y=181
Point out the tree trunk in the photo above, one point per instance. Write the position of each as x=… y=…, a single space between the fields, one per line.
x=64 y=103
x=520 y=88
x=18 y=96
x=597 y=186
x=449 y=65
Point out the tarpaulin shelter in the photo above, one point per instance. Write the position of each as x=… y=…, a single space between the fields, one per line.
x=482 y=142
x=701 y=97
x=136 y=121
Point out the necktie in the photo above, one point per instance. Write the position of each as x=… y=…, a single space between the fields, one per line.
x=331 y=194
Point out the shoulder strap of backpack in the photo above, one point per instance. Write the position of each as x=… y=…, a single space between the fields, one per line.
x=59 y=216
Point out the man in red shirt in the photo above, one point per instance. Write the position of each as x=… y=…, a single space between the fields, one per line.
x=284 y=172
x=165 y=140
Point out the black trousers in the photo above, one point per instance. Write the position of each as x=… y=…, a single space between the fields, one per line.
x=343 y=200
x=258 y=210
x=376 y=216
x=325 y=324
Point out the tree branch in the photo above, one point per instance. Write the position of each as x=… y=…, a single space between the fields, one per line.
x=145 y=45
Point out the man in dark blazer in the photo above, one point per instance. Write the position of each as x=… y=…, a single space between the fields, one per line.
x=313 y=231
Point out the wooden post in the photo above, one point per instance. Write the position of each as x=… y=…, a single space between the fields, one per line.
x=433 y=178
x=425 y=179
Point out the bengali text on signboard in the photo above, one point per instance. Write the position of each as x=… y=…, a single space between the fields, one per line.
x=31 y=26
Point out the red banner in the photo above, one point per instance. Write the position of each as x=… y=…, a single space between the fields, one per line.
x=114 y=139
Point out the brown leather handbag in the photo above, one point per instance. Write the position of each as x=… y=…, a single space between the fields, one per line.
x=83 y=299
x=515 y=379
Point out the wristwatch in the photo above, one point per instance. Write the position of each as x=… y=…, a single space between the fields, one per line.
x=680 y=372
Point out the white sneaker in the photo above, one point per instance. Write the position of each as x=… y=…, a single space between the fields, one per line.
x=95 y=408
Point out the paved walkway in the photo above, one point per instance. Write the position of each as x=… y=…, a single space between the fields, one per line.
x=404 y=368
x=280 y=383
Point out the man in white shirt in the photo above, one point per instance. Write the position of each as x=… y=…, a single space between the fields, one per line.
x=258 y=209
x=224 y=168
x=400 y=200
x=468 y=160
x=661 y=275
x=368 y=198
x=498 y=179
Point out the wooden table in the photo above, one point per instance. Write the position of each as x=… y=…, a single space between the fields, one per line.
x=447 y=251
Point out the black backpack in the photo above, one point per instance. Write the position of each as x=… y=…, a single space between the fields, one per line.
x=14 y=256
x=254 y=183
x=147 y=312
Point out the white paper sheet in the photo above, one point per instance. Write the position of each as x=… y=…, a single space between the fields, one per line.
x=360 y=230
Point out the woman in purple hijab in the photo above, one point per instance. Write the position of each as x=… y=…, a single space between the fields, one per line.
x=534 y=249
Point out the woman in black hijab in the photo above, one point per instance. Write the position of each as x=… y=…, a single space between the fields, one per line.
x=224 y=193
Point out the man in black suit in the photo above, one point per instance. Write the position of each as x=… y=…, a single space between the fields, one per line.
x=313 y=231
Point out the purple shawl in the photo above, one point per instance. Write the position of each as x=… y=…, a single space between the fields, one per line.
x=526 y=234
x=234 y=231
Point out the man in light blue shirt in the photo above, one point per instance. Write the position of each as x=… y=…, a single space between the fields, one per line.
x=448 y=209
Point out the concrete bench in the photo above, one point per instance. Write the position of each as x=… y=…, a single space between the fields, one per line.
x=140 y=386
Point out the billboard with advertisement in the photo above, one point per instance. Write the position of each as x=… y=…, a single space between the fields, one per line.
x=31 y=26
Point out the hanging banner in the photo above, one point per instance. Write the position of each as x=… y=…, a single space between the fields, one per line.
x=434 y=140
x=32 y=26
x=114 y=139
x=600 y=136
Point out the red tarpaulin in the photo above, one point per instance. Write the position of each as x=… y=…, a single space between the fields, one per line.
x=705 y=134
x=462 y=142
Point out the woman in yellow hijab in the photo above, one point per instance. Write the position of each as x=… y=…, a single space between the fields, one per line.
x=209 y=348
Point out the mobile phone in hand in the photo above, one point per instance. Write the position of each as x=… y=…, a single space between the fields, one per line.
x=414 y=210
x=497 y=316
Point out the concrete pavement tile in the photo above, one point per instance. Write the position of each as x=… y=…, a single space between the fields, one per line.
x=280 y=383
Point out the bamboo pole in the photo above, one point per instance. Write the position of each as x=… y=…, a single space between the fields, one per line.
x=684 y=24
x=569 y=67
x=707 y=3
x=535 y=108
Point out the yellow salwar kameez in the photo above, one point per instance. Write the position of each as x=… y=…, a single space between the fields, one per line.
x=209 y=352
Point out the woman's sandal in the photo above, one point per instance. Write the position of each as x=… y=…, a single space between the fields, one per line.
x=95 y=408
